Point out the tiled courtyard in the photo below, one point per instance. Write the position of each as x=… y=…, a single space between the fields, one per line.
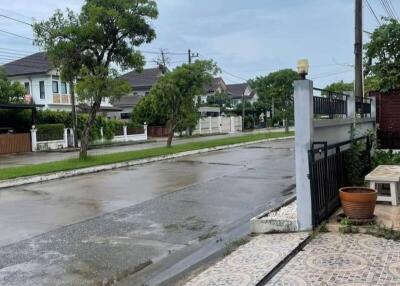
x=337 y=259
x=250 y=262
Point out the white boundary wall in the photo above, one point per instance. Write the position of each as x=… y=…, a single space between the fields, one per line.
x=48 y=145
x=209 y=125
x=309 y=130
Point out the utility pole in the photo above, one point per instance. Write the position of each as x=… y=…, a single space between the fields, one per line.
x=73 y=114
x=162 y=61
x=358 y=42
x=191 y=56
x=243 y=110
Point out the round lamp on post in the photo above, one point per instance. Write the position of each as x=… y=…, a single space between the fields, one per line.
x=302 y=68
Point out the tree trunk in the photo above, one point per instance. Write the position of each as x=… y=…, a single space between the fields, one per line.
x=286 y=125
x=88 y=126
x=171 y=130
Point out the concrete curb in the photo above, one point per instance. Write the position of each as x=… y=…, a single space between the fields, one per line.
x=258 y=225
x=77 y=172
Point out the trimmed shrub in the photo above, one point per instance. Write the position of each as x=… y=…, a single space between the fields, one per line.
x=49 y=132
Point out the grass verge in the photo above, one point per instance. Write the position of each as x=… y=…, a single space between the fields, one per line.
x=71 y=164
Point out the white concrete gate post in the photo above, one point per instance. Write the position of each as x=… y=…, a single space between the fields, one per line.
x=304 y=115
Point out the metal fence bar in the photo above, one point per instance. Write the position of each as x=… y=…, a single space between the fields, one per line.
x=327 y=175
x=330 y=103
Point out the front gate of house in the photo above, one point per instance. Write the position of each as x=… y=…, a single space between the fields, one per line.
x=15 y=143
x=327 y=173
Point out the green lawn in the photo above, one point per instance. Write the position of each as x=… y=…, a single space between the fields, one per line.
x=70 y=164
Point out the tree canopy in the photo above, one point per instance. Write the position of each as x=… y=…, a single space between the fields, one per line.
x=10 y=92
x=276 y=92
x=340 y=86
x=173 y=97
x=89 y=45
x=382 y=59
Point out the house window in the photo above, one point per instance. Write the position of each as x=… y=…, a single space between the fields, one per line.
x=27 y=88
x=125 y=115
x=147 y=93
x=64 y=87
x=55 y=86
x=135 y=93
x=41 y=90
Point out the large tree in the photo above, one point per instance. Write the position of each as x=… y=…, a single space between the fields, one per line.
x=10 y=92
x=173 y=97
x=382 y=56
x=340 y=86
x=88 y=45
x=276 y=90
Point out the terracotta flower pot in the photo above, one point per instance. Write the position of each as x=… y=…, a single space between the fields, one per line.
x=358 y=202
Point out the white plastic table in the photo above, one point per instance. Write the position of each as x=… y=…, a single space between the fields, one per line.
x=386 y=174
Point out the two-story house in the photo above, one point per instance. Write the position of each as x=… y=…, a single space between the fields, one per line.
x=141 y=83
x=217 y=85
x=43 y=84
x=240 y=90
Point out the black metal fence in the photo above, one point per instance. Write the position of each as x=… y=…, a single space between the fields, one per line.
x=330 y=104
x=363 y=106
x=328 y=174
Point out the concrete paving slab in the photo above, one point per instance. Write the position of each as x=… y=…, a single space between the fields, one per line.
x=338 y=259
x=250 y=263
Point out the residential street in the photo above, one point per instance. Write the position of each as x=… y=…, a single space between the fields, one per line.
x=167 y=216
x=21 y=159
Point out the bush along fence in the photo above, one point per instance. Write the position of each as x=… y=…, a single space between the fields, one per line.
x=45 y=137
x=325 y=127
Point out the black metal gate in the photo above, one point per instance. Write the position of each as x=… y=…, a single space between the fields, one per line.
x=328 y=174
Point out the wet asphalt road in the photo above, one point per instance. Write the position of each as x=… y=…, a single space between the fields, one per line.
x=97 y=228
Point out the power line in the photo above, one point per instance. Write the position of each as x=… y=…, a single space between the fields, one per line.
x=16 y=20
x=16 y=35
x=373 y=12
x=331 y=74
x=394 y=9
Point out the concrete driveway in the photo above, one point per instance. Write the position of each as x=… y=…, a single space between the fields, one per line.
x=137 y=225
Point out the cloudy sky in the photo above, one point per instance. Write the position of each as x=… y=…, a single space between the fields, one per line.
x=247 y=38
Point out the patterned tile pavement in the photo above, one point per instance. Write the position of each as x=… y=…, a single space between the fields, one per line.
x=251 y=262
x=337 y=259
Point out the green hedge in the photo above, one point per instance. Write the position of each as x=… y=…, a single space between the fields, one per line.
x=49 y=132
x=110 y=126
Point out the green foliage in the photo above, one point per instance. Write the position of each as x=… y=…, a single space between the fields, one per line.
x=111 y=127
x=48 y=132
x=173 y=96
x=51 y=117
x=64 y=165
x=354 y=163
x=276 y=89
x=383 y=56
x=339 y=87
x=346 y=226
x=19 y=120
x=385 y=158
x=93 y=87
x=10 y=92
x=85 y=46
x=145 y=111
x=220 y=99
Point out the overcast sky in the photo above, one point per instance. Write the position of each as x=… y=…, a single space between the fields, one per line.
x=247 y=38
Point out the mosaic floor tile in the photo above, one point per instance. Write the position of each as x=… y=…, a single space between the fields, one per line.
x=350 y=260
x=251 y=262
